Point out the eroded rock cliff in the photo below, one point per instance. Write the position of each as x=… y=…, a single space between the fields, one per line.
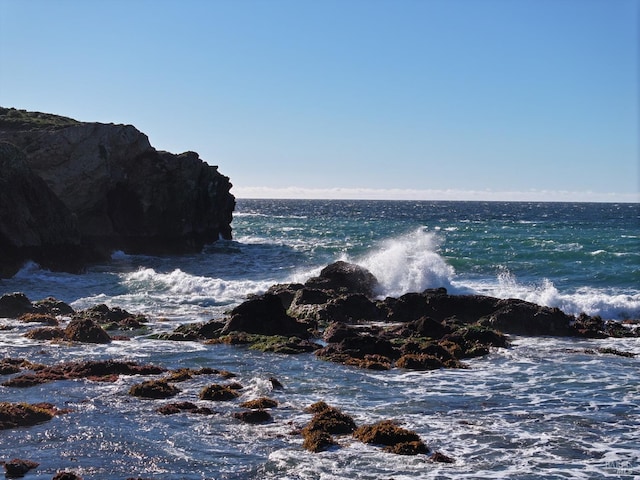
x=119 y=192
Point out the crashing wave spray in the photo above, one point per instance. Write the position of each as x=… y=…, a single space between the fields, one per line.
x=409 y=263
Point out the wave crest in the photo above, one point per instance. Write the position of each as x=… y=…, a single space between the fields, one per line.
x=409 y=263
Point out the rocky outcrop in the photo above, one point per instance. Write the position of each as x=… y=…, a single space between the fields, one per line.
x=102 y=187
x=34 y=222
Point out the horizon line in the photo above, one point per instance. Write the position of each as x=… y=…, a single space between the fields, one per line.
x=342 y=193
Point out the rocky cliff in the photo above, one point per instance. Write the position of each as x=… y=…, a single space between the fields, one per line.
x=106 y=187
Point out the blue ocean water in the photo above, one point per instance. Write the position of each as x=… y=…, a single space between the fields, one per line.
x=544 y=408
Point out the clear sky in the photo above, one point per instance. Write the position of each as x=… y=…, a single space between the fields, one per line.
x=420 y=99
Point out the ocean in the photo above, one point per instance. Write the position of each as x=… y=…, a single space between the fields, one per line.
x=543 y=408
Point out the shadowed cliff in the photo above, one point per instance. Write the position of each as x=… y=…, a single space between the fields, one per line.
x=106 y=188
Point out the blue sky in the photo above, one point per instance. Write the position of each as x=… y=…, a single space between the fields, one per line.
x=421 y=99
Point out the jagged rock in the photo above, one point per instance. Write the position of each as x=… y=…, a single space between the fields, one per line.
x=329 y=419
x=13 y=305
x=264 y=315
x=111 y=191
x=154 y=389
x=18 y=467
x=253 y=416
x=524 y=318
x=286 y=292
x=218 y=392
x=66 y=476
x=39 y=318
x=259 y=403
x=345 y=277
x=421 y=361
x=46 y=333
x=441 y=458
x=52 y=306
x=98 y=370
x=86 y=330
x=13 y=415
x=396 y=439
x=173 y=408
x=326 y=420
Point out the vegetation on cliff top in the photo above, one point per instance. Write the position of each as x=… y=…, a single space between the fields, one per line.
x=12 y=118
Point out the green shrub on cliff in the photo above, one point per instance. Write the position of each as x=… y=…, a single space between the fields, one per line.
x=19 y=119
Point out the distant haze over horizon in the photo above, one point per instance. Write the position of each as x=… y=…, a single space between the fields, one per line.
x=520 y=100
x=296 y=193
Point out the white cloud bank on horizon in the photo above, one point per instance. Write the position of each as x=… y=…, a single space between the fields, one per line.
x=339 y=193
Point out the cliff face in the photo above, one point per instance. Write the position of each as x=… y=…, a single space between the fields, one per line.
x=123 y=194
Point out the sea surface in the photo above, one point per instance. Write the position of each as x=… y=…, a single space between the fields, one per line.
x=543 y=408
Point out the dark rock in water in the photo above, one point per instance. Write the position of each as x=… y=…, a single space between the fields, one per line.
x=317 y=441
x=14 y=415
x=86 y=330
x=427 y=327
x=195 y=331
x=329 y=419
x=97 y=370
x=18 y=467
x=46 y=333
x=345 y=277
x=218 y=392
x=260 y=403
x=39 y=318
x=66 y=476
x=285 y=292
x=13 y=305
x=351 y=308
x=441 y=458
x=154 y=389
x=396 y=439
x=253 y=416
x=275 y=383
x=173 y=408
x=102 y=187
x=264 y=315
x=326 y=420
x=438 y=305
x=524 y=318
x=52 y=306
x=111 y=318
x=419 y=362
x=336 y=332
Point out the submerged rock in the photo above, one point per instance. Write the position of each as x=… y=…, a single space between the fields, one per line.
x=395 y=439
x=218 y=392
x=154 y=389
x=66 y=476
x=96 y=370
x=85 y=330
x=327 y=420
x=18 y=467
x=14 y=415
x=173 y=408
x=253 y=416
x=259 y=403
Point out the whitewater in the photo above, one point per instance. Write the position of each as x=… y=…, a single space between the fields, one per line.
x=543 y=408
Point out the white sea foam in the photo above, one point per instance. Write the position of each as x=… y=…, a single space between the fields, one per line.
x=616 y=305
x=410 y=263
